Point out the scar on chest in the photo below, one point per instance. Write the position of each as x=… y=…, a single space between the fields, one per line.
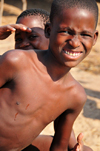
x=15 y=116
x=27 y=106
x=17 y=103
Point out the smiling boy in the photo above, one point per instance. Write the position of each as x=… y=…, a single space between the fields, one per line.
x=36 y=20
x=29 y=35
x=29 y=30
x=36 y=87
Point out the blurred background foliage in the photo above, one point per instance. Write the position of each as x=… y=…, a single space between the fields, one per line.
x=44 y=4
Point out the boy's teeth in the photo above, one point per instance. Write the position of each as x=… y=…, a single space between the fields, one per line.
x=71 y=54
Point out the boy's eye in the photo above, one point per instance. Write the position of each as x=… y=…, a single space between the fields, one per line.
x=18 y=40
x=32 y=37
x=86 y=35
x=67 y=32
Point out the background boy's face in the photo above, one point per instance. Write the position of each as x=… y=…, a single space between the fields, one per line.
x=34 y=40
x=72 y=35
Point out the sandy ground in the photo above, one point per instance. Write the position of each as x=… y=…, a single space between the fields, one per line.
x=88 y=74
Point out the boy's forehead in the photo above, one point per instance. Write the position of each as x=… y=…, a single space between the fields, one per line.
x=32 y=21
x=76 y=10
x=76 y=14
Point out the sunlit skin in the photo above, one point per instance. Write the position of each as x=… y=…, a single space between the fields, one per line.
x=36 y=86
x=71 y=39
x=31 y=40
x=25 y=36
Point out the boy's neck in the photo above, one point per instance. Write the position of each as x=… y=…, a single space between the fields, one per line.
x=55 y=69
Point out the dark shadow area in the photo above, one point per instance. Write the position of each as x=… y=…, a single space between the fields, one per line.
x=90 y=106
x=31 y=148
x=98 y=1
x=14 y=8
x=44 y=4
x=7 y=14
x=92 y=93
x=17 y=3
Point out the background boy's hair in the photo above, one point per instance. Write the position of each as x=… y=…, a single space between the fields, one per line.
x=58 y=6
x=45 y=16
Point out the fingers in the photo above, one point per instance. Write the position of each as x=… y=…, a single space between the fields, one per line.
x=21 y=27
x=10 y=29
x=79 y=145
x=13 y=27
x=7 y=30
x=79 y=139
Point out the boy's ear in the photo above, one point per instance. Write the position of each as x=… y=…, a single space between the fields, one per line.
x=95 y=37
x=47 y=30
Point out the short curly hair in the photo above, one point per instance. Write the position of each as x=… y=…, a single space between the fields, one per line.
x=59 y=5
x=45 y=16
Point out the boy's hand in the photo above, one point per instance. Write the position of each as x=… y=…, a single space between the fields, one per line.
x=7 y=30
x=79 y=145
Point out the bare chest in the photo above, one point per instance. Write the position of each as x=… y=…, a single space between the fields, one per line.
x=28 y=106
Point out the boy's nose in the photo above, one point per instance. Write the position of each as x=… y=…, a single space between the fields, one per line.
x=25 y=43
x=74 y=42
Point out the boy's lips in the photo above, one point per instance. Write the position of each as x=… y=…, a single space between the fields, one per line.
x=72 y=53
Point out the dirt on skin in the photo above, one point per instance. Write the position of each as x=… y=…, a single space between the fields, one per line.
x=88 y=74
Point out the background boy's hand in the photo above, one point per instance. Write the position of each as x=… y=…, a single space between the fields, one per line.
x=7 y=30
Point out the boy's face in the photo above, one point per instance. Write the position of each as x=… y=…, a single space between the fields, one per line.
x=34 y=40
x=72 y=35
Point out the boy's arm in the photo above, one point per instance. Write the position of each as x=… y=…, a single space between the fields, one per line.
x=72 y=139
x=7 y=30
x=65 y=122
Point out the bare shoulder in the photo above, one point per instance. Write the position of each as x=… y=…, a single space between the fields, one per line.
x=13 y=63
x=11 y=56
x=15 y=58
x=79 y=93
